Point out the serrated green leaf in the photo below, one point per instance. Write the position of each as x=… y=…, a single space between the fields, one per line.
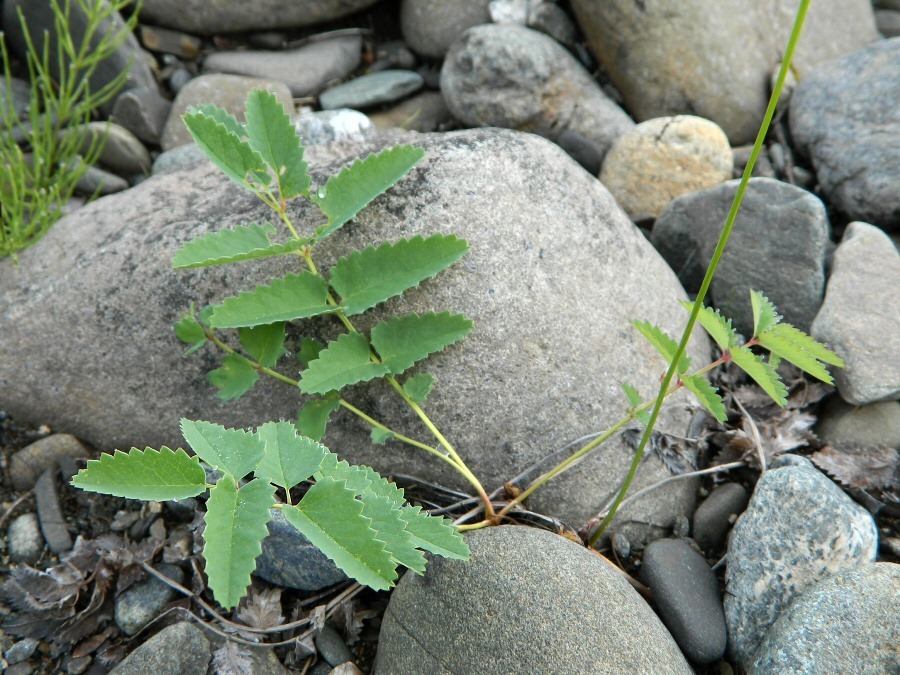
x=264 y=343
x=273 y=136
x=418 y=387
x=363 y=480
x=313 y=417
x=244 y=242
x=401 y=341
x=309 y=351
x=761 y=372
x=233 y=451
x=234 y=379
x=289 y=459
x=295 y=296
x=390 y=526
x=345 y=195
x=380 y=436
x=665 y=345
x=434 y=534
x=765 y=316
x=718 y=327
x=226 y=149
x=151 y=475
x=706 y=394
x=634 y=400
x=221 y=116
x=365 y=278
x=235 y=527
x=330 y=516
x=807 y=343
x=189 y=331
x=792 y=344
x=345 y=361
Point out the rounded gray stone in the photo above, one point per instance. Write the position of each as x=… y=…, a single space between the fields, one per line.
x=847 y=623
x=370 y=90
x=845 y=116
x=430 y=26
x=426 y=111
x=860 y=317
x=887 y=21
x=24 y=541
x=27 y=465
x=122 y=153
x=143 y=112
x=101 y=182
x=712 y=517
x=178 y=157
x=777 y=247
x=179 y=649
x=861 y=426
x=528 y=601
x=798 y=529
x=687 y=594
x=514 y=77
x=143 y=601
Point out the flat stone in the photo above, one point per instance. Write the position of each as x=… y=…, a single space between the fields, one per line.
x=144 y=600
x=98 y=181
x=238 y=16
x=306 y=71
x=680 y=59
x=426 y=111
x=861 y=426
x=179 y=649
x=123 y=153
x=226 y=91
x=798 y=529
x=664 y=158
x=687 y=594
x=332 y=647
x=777 y=246
x=386 y=86
x=860 y=317
x=24 y=541
x=178 y=157
x=548 y=232
x=514 y=77
x=143 y=112
x=170 y=42
x=430 y=26
x=26 y=466
x=845 y=116
x=847 y=623
x=469 y=616
x=53 y=525
x=712 y=519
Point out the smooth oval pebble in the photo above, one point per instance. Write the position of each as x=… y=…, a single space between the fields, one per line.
x=179 y=649
x=711 y=519
x=30 y=462
x=24 y=540
x=370 y=90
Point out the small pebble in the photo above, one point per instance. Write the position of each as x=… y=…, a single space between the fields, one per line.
x=142 y=602
x=332 y=646
x=370 y=90
x=713 y=517
x=21 y=651
x=31 y=461
x=24 y=539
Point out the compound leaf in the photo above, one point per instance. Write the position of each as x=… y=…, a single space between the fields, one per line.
x=294 y=296
x=663 y=344
x=232 y=451
x=264 y=343
x=634 y=400
x=273 y=136
x=151 y=475
x=189 y=331
x=345 y=361
x=363 y=480
x=288 y=458
x=330 y=516
x=221 y=116
x=313 y=417
x=244 y=242
x=765 y=316
x=789 y=339
x=401 y=341
x=345 y=195
x=235 y=527
x=365 y=278
x=418 y=387
x=718 y=327
x=387 y=521
x=763 y=373
x=706 y=394
x=234 y=379
x=434 y=534
x=234 y=156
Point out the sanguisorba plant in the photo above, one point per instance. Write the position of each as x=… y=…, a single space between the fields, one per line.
x=41 y=165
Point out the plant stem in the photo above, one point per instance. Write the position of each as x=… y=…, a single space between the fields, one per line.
x=713 y=264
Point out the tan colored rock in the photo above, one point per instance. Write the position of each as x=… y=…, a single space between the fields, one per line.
x=664 y=158
x=31 y=461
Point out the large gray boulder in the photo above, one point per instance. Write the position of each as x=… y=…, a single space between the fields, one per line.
x=555 y=273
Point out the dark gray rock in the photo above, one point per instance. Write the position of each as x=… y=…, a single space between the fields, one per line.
x=583 y=150
x=236 y=16
x=332 y=647
x=143 y=112
x=226 y=91
x=860 y=317
x=777 y=246
x=798 y=529
x=21 y=651
x=680 y=59
x=53 y=525
x=687 y=594
x=845 y=116
x=26 y=466
x=178 y=157
x=122 y=153
x=98 y=181
x=887 y=21
x=861 y=426
x=327 y=126
x=180 y=649
x=306 y=70
x=847 y=623
x=514 y=77
x=712 y=519
x=370 y=90
x=471 y=616
x=430 y=26
x=288 y=559
x=19 y=92
x=40 y=20
x=144 y=600
x=525 y=383
x=24 y=541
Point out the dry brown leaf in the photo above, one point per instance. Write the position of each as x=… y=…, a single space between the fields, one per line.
x=261 y=608
x=874 y=467
x=232 y=659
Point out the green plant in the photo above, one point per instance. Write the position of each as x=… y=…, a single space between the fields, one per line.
x=59 y=149
x=265 y=156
